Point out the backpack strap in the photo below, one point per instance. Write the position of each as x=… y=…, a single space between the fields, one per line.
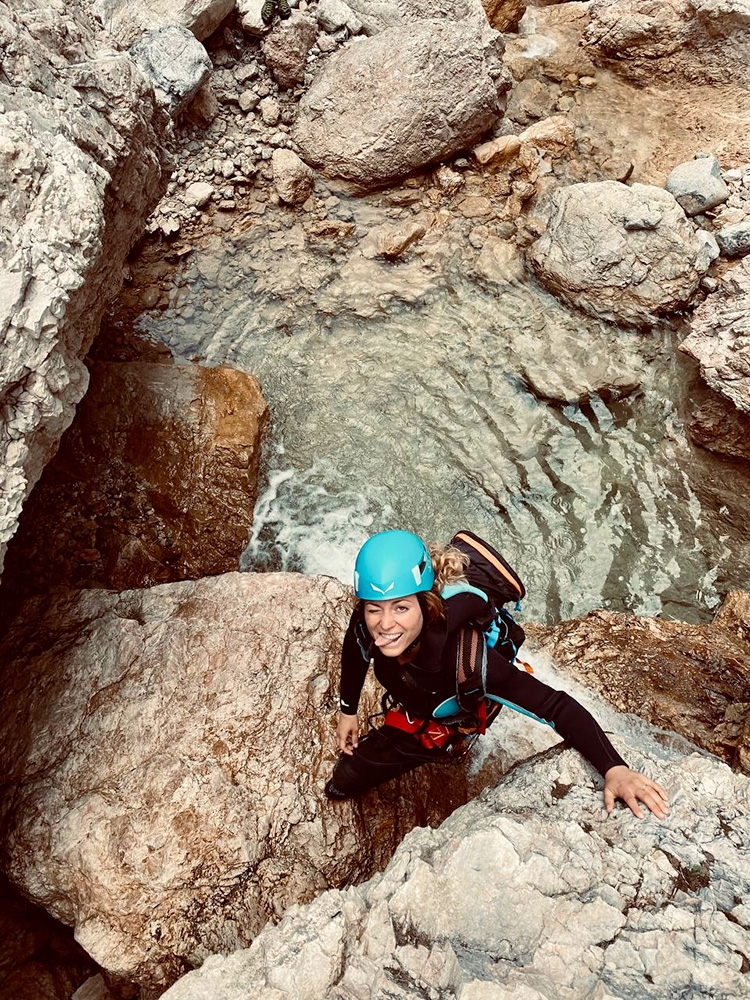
x=471 y=668
x=461 y=587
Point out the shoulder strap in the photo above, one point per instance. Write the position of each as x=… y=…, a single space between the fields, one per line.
x=471 y=668
x=461 y=587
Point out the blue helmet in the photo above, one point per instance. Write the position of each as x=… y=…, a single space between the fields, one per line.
x=392 y=564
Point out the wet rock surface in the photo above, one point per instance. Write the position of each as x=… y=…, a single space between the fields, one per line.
x=649 y=666
x=165 y=755
x=79 y=186
x=719 y=338
x=529 y=892
x=155 y=480
x=625 y=254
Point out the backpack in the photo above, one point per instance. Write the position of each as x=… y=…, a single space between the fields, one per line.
x=494 y=579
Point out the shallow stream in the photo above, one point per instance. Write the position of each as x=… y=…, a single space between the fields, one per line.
x=418 y=395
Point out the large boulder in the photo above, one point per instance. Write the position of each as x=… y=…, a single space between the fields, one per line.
x=694 y=679
x=706 y=40
x=624 y=254
x=387 y=105
x=378 y=15
x=719 y=337
x=77 y=188
x=155 y=480
x=164 y=753
x=175 y=62
x=285 y=49
x=530 y=893
x=126 y=20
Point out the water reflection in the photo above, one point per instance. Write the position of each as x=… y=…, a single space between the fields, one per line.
x=414 y=396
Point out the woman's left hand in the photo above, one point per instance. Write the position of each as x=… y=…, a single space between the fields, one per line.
x=633 y=787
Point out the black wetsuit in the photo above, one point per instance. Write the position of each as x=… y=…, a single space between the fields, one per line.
x=429 y=678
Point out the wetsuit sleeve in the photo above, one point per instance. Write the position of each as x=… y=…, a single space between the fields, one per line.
x=524 y=693
x=353 y=670
x=463 y=608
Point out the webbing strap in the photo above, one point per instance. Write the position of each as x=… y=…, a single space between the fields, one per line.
x=471 y=668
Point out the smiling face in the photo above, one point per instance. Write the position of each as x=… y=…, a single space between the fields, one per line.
x=394 y=625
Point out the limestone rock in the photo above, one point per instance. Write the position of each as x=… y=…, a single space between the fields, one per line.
x=250 y=13
x=497 y=151
x=379 y=15
x=500 y=263
x=663 y=670
x=734 y=240
x=555 y=135
x=164 y=758
x=705 y=40
x=386 y=105
x=717 y=424
x=697 y=185
x=529 y=893
x=199 y=193
x=75 y=200
x=125 y=20
x=175 y=62
x=155 y=480
x=625 y=254
x=335 y=14
x=292 y=177
x=286 y=47
x=719 y=337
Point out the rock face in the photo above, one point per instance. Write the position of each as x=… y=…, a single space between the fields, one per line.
x=719 y=338
x=77 y=189
x=705 y=40
x=389 y=104
x=650 y=666
x=175 y=62
x=125 y=20
x=624 y=254
x=378 y=15
x=155 y=480
x=164 y=753
x=529 y=893
x=718 y=425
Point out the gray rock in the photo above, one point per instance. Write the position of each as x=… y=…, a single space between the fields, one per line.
x=335 y=14
x=175 y=62
x=292 y=178
x=698 y=185
x=252 y=22
x=249 y=100
x=389 y=104
x=75 y=199
x=125 y=20
x=286 y=48
x=529 y=893
x=734 y=240
x=378 y=15
x=624 y=254
x=718 y=338
x=270 y=111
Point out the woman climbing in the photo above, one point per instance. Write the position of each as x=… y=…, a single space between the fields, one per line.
x=416 y=621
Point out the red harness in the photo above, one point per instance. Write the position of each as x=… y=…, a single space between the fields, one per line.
x=436 y=735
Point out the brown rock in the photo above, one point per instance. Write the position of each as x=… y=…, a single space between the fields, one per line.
x=504 y=15
x=720 y=427
x=497 y=151
x=393 y=241
x=285 y=48
x=203 y=108
x=556 y=135
x=475 y=207
x=693 y=679
x=155 y=480
x=292 y=178
x=164 y=757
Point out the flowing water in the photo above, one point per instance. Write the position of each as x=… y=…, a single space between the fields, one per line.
x=415 y=395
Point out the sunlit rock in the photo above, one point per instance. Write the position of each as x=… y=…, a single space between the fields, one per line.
x=176 y=64
x=529 y=893
x=386 y=105
x=693 y=679
x=625 y=254
x=718 y=338
x=164 y=753
x=155 y=480
x=292 y=178
x=76 y=198
x=125 y=20
x=378 y=15
x=697 y=185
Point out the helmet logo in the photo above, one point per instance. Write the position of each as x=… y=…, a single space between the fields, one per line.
x=381 y=591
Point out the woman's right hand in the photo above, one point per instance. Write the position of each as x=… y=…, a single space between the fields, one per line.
x=347 y=732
